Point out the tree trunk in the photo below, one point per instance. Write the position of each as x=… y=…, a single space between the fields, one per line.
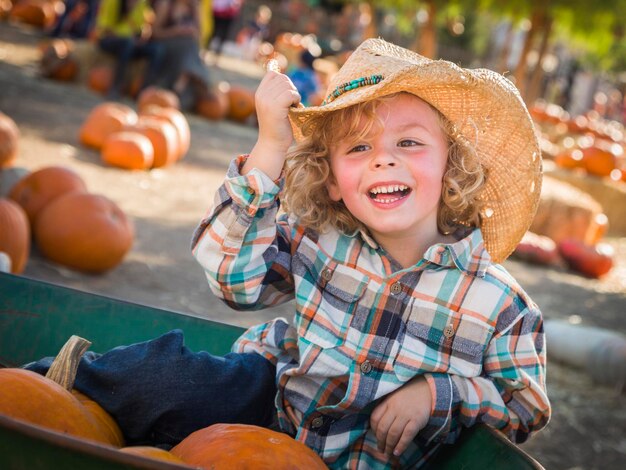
x=538 y=73
x=522 y=65
x=426 y=41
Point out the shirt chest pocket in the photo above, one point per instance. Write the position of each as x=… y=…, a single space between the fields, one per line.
x=436 y=339
x=327 y=297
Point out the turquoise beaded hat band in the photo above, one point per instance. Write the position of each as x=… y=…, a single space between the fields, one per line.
x=352 y=85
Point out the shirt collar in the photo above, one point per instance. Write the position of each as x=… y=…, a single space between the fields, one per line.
x=467 y=254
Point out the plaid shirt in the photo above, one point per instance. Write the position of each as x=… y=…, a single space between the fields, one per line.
x=364 y=326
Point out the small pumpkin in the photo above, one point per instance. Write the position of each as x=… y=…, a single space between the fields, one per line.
x=598 y=161
x=153 y=453
x=159 y=96
x=47 y=401
x=38 y=13
x=241 y=103
x=84 y=231
x=9 y=140
x=215 y=105
x=245 y=447
x=100 y=78
x=178 y=120
x=163 y=136
x=593 y=261
x=57 y=61
x=39 y=188
x=104 y=120
x=14 y=234
x=129 y=150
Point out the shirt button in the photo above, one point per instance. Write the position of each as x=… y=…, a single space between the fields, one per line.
x=327 y=274
x=448 y=331
x=317 y=422
x=396 y=288
x=366 y=367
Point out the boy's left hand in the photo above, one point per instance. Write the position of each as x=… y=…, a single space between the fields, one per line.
x=401 y=415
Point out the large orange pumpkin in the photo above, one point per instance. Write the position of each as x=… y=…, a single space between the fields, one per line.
x=38 y=189
x=245 y=447
x=47 y=401
x=129 y=150
x=163 y=136
x=104 y=120
x=14 y=234
x=153 y=453
x=159 y=96
x=241 y=103
x=177 y=119
x=9 y=140
x=84 y=231
x=105 y=421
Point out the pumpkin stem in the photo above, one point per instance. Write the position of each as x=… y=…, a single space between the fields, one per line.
x=65 y=365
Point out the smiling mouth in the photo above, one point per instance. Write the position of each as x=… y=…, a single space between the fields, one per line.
x=389 y=193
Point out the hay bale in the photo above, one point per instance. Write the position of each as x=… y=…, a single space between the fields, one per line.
x=567 y=212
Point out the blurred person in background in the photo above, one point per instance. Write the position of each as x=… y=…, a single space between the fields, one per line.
x=225 y=12
x=123 y=29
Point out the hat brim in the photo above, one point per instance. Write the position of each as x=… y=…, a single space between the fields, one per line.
x=487 y=110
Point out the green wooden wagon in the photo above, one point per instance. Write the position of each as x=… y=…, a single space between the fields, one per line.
x=36 y=318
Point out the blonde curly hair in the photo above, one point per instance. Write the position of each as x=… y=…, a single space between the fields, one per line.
x=307 y=171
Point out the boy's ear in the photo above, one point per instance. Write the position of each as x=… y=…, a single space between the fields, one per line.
x=333 y=189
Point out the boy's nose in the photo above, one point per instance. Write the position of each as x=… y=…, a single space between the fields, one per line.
x=383 y=159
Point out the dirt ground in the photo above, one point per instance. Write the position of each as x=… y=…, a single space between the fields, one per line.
x=588 y=428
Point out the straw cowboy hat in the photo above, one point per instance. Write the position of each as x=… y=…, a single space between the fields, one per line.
x=487 y=111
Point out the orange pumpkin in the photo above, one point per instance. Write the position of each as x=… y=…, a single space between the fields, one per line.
x=39 y=13
x=178 y=120
x=105 y=421
x=241 y=103
x=152 y=453
x=163 y=136
x=215 y=105
x=9 y=140
x=598 y=161
x=47 y=401
x=129 y=150
x=245 y=447
x=100 y=78
x=14 y=234
x=159 y=96
x=57 y=61
x=84 y=231
x=104 y=120
x=38 y=189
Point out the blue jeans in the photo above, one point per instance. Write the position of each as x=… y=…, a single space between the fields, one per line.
x=159 y=391
x=125 y=49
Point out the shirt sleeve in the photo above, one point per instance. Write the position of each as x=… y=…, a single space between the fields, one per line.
x=242 y=246
x=510 y=395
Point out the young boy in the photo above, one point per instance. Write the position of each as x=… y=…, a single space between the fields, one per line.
x=398 y=208
x=403 y=192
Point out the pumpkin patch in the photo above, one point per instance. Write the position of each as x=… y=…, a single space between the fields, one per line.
x=14 y=234
x=9 y=140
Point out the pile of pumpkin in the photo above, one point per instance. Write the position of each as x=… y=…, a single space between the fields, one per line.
x=154 y=136
x=52 y=206
x=586 y=143
x=567 y=232
x=51 y=402
x=38 y=13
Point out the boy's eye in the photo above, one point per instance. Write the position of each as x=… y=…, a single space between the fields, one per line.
x=408 y=143
x=359 y=148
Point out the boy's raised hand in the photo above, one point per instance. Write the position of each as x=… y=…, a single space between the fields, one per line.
x=398 y=418
x=274 y=96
